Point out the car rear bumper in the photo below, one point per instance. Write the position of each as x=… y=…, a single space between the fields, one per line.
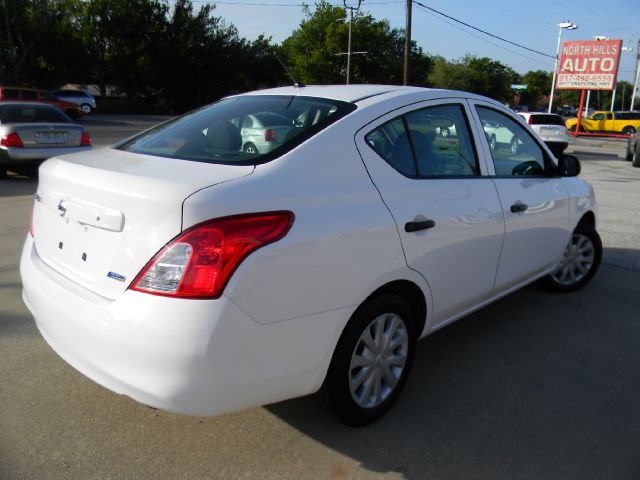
x=21 y=156
x=198 y=357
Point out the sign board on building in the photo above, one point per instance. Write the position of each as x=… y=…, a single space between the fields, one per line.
x=519 y=87
x=589 y=65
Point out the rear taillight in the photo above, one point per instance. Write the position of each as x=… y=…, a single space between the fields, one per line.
x=531 y=120
x=270 y=135
x=199 y=262
x=11 y=140
x=85 y=139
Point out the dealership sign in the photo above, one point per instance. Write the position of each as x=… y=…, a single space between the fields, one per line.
x=589 y=65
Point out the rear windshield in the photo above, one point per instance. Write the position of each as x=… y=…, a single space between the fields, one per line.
x=244 y=130
x=31 y=113
x=546 y=120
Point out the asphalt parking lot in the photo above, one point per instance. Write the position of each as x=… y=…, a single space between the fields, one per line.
x=535 y=386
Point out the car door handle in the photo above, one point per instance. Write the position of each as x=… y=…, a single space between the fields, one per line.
x=417 y=226
x=519 y=207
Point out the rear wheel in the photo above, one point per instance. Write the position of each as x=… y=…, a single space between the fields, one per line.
x=444 y=132
x=636 y=155
x=371 y=362
x=3 y=172
x=250 y=148
x=628 y=130
x=493 y=143
x=72 y=114
x=580 y=261
x=514 y=145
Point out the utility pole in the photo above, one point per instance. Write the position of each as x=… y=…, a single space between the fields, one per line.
x=351 y=9
x=407 y=44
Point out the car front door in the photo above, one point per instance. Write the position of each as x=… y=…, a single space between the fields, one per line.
x=534 y=200
x=448 y=214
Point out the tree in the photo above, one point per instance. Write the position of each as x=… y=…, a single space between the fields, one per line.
x=314 y=50
x=538 y=88
x=472 y=74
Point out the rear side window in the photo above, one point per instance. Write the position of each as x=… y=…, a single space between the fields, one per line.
x=629 y=115
x=242 y=130
x=546 y=120
x=31 y=113
x=431 y=142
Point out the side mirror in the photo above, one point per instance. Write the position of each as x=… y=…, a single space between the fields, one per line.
x=568 y=166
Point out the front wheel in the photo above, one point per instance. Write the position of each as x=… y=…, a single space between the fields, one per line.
x=3 y=172
x=86 y=108
x=371 y=362
x=580 y=261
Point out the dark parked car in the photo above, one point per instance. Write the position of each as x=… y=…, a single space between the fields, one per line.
x=21 y=94
x=633 y=150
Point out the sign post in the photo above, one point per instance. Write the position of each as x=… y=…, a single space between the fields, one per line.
x=588 y=65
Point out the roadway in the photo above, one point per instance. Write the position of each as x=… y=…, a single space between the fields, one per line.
x=537 y=385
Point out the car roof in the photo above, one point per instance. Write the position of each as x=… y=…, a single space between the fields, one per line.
x=28 y=104
x=357 y=93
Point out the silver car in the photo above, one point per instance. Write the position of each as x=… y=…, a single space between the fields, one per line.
x=32 y=132
x=263 y=132
x=87 y=102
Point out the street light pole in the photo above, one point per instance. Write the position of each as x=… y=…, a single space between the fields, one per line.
x=569 y=26
x=615 y=87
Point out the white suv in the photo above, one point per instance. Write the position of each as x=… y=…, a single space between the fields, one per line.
x=196 y=277
x=550 y=128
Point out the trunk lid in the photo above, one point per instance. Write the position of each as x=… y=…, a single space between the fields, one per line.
x=49 y=135
x=100 y=216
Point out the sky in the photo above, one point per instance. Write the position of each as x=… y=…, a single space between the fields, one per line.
x=531 y=23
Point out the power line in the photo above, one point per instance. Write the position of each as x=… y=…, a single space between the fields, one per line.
x=486 y=40
x=483 y=31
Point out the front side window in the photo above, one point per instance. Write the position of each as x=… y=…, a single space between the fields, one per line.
x=430 y=142
x=241 y=130
x=513 y=150
x=598 y=116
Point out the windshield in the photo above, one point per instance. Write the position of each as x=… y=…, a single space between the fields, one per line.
x=32 y=113
x=240 y=130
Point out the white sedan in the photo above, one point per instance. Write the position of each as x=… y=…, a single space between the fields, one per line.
x=198 y=278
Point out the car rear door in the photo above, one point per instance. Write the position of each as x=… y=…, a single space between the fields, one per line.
x=448 y=214
x=533 y=197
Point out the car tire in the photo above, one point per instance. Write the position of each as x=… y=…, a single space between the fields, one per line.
x=580 y=261
x=371 y=362
x=493 y=143
x=250 y=148
x=72 y=114
x=3 y=172
x=444 y=132
x=636 y=155
x=514 y=145
x=86 y=108
x=628 y=130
